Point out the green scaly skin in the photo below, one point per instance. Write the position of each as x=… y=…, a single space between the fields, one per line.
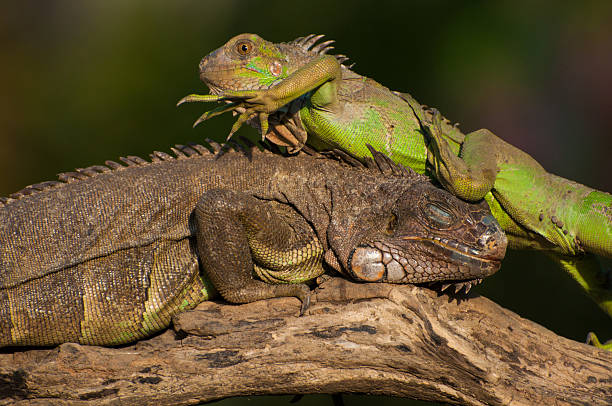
x=300 y=94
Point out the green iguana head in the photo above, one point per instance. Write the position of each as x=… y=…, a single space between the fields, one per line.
x=249 y=62
x=246 y=63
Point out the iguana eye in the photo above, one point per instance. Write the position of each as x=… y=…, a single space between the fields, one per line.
x=244 y=47
x=391 y=225
x=438 y=215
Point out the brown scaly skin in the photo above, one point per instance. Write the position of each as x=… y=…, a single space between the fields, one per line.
x=110 y=253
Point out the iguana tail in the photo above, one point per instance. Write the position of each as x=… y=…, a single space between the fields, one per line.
x=592 y=218
x=106 y=301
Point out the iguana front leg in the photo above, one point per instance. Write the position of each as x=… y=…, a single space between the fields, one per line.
x=459 y=174
x=323 y=72
x=573 y=217
x=239 y=237
x=538 y=209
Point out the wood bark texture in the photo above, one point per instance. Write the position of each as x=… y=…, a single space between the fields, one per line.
x=378 y=339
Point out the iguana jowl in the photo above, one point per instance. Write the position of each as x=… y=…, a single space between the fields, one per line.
x=109 y=254
x=308 y=96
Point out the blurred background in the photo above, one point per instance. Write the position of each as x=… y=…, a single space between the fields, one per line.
x=83 y=82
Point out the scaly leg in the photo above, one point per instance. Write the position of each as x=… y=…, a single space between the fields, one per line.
x=239 y=236
x=324 y=70
x=571 y=216
x=469 y=182
x=588 y=272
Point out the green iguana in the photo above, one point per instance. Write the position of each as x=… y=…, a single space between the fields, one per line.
x=309 y=96
x=108 y=254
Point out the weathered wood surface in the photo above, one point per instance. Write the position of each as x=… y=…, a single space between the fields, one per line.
x=374 y=338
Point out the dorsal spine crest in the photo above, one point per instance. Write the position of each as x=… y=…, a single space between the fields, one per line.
x=180 y=152
x=309 y=44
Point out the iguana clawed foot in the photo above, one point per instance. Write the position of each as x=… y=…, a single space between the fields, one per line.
x=458 y=286
x=247 y=103
x=468 y=179
x=594 y=341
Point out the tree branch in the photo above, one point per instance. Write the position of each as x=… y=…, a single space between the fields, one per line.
x=367 y=338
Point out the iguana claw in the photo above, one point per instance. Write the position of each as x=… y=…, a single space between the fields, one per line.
x=216 y=112
x=263 y=124
x=244 y=117
x=305 y=305
x=465 y=286
x=231 y=106
x=200 y=98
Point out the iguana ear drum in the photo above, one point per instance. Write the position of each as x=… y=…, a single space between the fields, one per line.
x=365 y=264
x=371 y=264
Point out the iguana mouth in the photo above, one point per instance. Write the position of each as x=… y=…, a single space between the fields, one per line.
x=448 y=260
x=491 y=254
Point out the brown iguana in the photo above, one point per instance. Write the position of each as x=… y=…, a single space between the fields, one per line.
x=108 y=254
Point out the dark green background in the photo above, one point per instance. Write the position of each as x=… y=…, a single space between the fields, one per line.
x=82 y=82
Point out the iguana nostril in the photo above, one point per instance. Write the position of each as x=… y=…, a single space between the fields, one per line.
x=493 y=239
x=209 y=59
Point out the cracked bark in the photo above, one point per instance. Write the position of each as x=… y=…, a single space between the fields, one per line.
x=368 y=338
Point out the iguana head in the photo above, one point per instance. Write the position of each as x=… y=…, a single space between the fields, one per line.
x=246 y=63
x=406 y=230
x=249 y=62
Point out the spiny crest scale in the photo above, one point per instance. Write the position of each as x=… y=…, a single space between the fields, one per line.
x=180 y=152
x=309 y=44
